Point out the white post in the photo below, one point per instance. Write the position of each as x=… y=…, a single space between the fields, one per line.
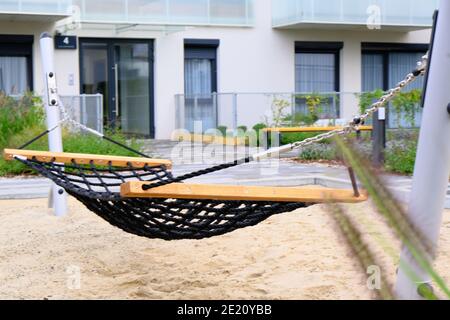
x=58 y=195
x=432 y=166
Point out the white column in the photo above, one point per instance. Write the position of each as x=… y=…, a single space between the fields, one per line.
x=58 y=195
x=432 y=166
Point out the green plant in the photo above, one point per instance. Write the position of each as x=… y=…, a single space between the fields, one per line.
x=72 y=142
x=401 y=158
x=406 y=105
x=278 y=109
x=17 y=115
x=258 y=127
x=287 y=138
x=222 y=130
x=23 y=119
x=319 y=152
x=242 y=128
x=366 y=99
x=301 y=119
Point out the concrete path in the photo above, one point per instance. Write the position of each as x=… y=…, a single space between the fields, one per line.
x=187 y=158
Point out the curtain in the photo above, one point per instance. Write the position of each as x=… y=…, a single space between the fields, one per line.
x=199 y=102
x=13 y=75
x=315 y=72
x=401 y=64
x=372 y=72
x=198 y=77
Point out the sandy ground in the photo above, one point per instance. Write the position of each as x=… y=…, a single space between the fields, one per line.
x=298 y=255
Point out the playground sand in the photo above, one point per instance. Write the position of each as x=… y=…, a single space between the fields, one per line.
x=298 y=255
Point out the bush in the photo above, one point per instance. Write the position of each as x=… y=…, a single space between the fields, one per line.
x=287 y=138
x=301 y=119
x=319 y=152
x=17 y=115
x=23 y=119
x=400 y=158
x=222 y=130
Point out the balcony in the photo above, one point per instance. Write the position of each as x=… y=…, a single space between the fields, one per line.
x=34 y=10
x=167 y=12
x=398 y=15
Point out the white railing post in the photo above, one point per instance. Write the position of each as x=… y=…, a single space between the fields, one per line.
x=432 y=166
x=51 y=103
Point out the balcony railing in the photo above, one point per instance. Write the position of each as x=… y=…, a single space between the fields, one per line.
x=167 y=12
x=407 y=14
x=232 y=110
x=43 y=7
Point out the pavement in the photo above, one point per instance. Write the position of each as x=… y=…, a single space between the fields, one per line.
x=189 y=157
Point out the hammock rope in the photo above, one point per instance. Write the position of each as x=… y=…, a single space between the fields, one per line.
x=168 y=219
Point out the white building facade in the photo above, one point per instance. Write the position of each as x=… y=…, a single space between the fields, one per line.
x=162 y=64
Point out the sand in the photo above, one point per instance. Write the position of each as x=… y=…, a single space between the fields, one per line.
x=298 y=255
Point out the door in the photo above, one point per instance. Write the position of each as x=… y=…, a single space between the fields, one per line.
x=122 y=71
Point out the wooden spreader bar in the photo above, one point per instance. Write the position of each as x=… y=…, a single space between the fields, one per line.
x=104 y=160
x=245 y=193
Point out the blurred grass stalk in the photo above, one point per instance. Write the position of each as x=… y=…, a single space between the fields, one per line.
x=395 y=216
x=365 y=257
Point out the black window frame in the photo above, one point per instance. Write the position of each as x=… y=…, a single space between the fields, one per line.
x=385 y=48
x=324 y=47
x=19 y=46
x=203 y=49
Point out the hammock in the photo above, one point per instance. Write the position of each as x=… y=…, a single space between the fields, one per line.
x=141 y=196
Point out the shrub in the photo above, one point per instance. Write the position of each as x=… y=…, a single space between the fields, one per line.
x=223 y=130
x=17 y=115
x=242 y=128
x=287 y=138
x=319 y=152
x=22 y=119
x=301 y=119
x=400 y=158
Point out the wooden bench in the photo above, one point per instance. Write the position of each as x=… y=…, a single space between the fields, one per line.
x=281 y=130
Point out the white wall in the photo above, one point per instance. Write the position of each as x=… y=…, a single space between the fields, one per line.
x=257 y=59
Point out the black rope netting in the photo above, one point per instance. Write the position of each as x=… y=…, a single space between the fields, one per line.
x=170 y=219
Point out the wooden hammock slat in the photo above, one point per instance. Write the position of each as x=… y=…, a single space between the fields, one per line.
x=63 y=157
x=311 y=129
x=246 y=193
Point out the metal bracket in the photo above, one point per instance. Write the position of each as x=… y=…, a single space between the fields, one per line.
x=52 y=91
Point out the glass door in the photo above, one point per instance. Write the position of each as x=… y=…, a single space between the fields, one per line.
x=122 y=71
x=132 y=87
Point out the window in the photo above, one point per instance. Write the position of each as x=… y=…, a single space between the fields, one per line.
x=16 y=64
x=200 y=82
x=384 y=65
x=317 y=72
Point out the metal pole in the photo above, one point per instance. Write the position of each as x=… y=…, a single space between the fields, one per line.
x=58 y=195
x=432 y=166
x=379 y=137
